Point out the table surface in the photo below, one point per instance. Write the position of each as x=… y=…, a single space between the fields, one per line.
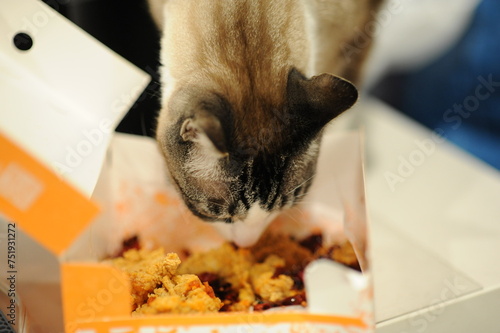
x=435 y=226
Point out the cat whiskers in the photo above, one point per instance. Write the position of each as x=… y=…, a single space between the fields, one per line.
x=231 y=195
x=300 y=196
x=294 y=217
x=300 y=185
x=143 y=125
x=153 y=89
x=227 y=202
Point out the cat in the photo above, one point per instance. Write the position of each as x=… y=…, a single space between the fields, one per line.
x=247 y=88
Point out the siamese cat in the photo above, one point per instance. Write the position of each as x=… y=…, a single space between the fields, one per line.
x=247 y=88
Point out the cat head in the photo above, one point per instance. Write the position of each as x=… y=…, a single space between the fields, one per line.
x=229 y=164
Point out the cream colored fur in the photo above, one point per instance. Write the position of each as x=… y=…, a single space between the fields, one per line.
x=311 y=42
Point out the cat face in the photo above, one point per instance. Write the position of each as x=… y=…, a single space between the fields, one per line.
x=226 y=163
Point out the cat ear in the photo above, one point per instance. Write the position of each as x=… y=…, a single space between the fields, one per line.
x=205 y=129
x=321 y=98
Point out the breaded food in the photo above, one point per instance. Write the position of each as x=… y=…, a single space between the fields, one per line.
x=271 y=287
x=250 y=282
x=157 y=288
x=342 y=253
x=181 y=294
x=227 y=278
x=228 y=264
x=283 y=246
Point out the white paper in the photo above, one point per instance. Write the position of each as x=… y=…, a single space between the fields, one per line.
x=62 y=99
x=334 y=289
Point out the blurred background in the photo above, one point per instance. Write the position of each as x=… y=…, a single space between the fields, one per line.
x=436 y=61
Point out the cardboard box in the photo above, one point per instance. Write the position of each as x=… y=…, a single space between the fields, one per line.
x=70 y=200
x=139 y=201
x=135 y=199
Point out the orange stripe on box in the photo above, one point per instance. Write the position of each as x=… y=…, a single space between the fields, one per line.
x=42 y=204
x=133 y=325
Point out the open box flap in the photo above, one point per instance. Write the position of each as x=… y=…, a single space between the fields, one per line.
x=62 y=99
x=42 y=204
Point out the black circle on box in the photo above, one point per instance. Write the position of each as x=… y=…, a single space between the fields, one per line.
x=23 y=41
